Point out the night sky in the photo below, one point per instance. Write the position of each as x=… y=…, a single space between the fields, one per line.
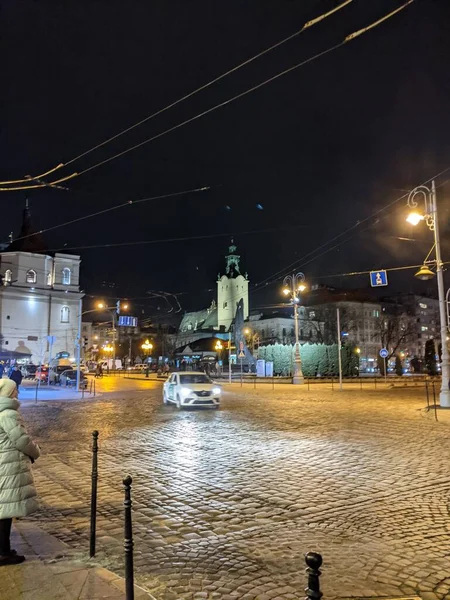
x=319 y=149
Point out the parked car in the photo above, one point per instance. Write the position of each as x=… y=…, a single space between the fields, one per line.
x=29 y=371
x=69 y=378
x=55 y=373
x=191 y=389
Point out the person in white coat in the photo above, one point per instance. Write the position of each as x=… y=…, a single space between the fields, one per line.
x=18 y=496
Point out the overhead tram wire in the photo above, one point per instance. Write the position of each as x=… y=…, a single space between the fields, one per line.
x=307 y=25
x=295 y=265
x=347 y=39
x=178 y=239
x=116 y=207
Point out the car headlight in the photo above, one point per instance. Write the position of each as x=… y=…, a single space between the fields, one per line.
x=216 y=391
x=185 y=392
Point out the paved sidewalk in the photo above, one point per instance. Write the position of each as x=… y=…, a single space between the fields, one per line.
x=27 y=393
x=52 y=571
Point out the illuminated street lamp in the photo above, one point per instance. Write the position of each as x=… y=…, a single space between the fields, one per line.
x=113 y=311
x=430 y=216
x=147 y=347
x=293 y=285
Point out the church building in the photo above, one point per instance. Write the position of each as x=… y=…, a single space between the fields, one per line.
x=40 y=299
x=217 y=318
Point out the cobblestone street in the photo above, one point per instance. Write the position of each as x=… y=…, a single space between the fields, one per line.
x=227 y=502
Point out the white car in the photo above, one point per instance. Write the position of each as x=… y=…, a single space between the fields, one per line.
x=190 y=388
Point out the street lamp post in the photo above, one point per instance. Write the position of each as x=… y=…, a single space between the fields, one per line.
x=218 y=348
x=147 y=347
x=112 y=312
x=430 y=217
x=293 y=284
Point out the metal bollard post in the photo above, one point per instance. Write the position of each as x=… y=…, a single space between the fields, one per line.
x=128 y=542
x=332 y=383
x=94 y=493
x=314 y=562
x=254 y=383
x=360 y=383
x=375 y=379
x=428 y=394
x=307 y=379
x=90 y=388
x=273 y=383
x=94 y=388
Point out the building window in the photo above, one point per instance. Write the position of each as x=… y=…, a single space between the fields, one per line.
x=225 y=304
x=422 y=305
x=66 y=275
x=31 y=276
x=424 y=328
x=8 y=276
x=376 y=313
x=65 y=314
x=312 y=314
x=49 y=279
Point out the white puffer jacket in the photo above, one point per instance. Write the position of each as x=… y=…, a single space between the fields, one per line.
x=17 y=491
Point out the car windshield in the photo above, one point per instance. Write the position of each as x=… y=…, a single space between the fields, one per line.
x=194 y=379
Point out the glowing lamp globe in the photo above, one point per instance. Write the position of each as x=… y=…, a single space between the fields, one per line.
x=414 y=218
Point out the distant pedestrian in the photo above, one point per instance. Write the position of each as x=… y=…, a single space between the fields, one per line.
x=16 y=376
x=17 y=453
x=99 y=371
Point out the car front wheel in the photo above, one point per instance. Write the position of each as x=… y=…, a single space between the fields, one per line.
x=178 y=402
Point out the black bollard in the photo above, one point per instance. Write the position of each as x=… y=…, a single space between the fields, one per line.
x=128 y=542
x=94 y=493
x=314 y=562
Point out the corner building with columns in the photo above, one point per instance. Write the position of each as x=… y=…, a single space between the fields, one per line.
x=40 y=299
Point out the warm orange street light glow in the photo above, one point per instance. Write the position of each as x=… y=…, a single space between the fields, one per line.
x=218 y=346
x=286 y=291
x=147 y=346
x=125 y=306
x=301 y=287
x=414 y=218
x=100 y=305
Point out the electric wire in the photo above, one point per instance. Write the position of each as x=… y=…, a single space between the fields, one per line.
x=307 y=25
x=213 y=81
x=295 y=264
x=116 y=207
x=229 y=101
x=246 y=92
x=179 y=239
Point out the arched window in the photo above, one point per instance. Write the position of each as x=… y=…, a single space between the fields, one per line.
x=8 y=277
x=65 y=314
x=49 y=279
x=31 y=276
x=66 y=275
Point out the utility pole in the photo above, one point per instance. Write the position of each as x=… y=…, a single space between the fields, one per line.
x=339 y=347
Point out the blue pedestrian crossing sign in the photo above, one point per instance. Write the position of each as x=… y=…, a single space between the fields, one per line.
x=378 y=278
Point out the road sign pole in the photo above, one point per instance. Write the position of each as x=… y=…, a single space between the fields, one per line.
x=385 y=371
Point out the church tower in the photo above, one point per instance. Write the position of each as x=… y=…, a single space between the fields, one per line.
x=231 y=288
